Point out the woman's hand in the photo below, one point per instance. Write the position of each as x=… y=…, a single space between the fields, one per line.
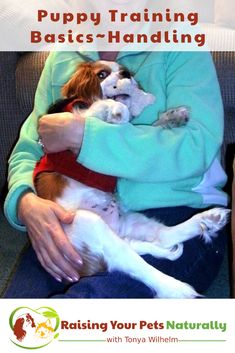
x=54 y=251
x=61 y=132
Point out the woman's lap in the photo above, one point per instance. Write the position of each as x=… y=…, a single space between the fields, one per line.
x=198 y=266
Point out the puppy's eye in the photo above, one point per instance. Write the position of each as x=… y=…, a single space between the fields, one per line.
x=103 y=74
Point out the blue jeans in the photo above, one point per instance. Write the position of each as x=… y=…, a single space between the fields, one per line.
x=198 y=266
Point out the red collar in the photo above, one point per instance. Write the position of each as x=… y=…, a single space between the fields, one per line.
x=65 y=163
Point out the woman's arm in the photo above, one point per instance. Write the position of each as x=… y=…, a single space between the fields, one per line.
x=144 y=153
x=27 y=151
x=24 y=209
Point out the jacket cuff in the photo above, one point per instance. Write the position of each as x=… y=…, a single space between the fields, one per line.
x=11 y=206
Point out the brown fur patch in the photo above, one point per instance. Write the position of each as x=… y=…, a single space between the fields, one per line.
x=92 y=263
x=49 y=186
x=85 y=83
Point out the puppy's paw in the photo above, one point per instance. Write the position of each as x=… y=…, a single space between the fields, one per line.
x=174 y=118
x=118 y=114
x=212 y=221
x=174 y=289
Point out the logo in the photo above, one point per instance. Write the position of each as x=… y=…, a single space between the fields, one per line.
x=33 y=328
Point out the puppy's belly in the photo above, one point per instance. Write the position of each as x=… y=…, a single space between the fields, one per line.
x=109 y=212
x=77 y=196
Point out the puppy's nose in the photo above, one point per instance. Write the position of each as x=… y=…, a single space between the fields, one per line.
x=125 y=74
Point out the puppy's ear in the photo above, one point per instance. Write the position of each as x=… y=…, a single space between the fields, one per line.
x=83 y=84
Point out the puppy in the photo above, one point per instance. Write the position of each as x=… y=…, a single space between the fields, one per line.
x=107 y=236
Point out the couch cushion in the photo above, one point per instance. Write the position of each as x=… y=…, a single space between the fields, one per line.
x=225 y=66
x=28 y=72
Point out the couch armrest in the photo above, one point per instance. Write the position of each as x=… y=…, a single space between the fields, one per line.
x=9 y=112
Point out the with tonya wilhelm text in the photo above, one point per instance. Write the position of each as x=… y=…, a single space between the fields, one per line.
x=165 y=27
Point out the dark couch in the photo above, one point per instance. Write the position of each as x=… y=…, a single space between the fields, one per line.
x=19 y=74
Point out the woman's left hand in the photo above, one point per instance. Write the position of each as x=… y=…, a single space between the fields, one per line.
x=61 y=131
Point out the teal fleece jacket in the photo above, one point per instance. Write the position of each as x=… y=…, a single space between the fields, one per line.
x=156 y=167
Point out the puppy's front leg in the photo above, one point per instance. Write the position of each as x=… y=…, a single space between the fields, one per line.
x=109 y=111
x=90 y=232
x=173 y=118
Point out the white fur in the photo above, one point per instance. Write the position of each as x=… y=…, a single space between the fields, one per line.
x=110 y=111
x=119 y=236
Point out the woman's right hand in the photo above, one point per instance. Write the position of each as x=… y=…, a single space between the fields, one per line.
x=43 y=219
x=61 y=132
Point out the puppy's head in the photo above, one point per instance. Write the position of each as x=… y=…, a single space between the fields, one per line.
x=86 y=81
x=106 y=79
x=89 y=79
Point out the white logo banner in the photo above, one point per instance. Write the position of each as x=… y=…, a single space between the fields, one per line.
x=117 y=325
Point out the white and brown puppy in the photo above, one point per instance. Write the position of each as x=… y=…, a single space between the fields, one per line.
x=107 y=236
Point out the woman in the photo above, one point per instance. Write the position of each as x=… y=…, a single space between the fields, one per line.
x=173 y=173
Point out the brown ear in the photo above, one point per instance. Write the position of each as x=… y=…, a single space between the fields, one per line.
x=83 y=84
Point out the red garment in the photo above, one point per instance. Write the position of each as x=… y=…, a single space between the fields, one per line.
x=65 y=163
x=83 y=103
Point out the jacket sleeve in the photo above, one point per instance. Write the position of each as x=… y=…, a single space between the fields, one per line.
x=27 y=150
x=151 y=154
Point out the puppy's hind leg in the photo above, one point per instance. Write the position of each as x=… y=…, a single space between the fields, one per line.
x=143 y=235
x=89 y=231
x=205 y=224
x=144 y=248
